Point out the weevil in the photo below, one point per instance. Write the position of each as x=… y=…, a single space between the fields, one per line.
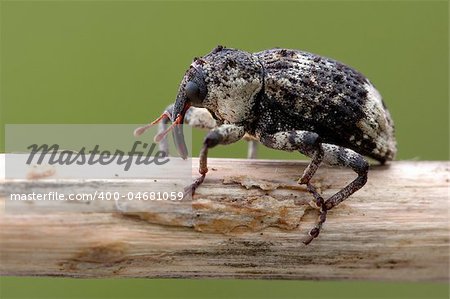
x=288 y=100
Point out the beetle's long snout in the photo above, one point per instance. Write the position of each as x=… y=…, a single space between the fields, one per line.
x=178 y=112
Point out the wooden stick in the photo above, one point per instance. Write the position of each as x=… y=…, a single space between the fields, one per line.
x=246 y=221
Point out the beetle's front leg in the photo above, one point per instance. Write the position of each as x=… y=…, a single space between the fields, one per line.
x=224 y=134
x=200 y=118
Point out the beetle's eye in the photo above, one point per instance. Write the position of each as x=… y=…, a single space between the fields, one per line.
x=193 y=92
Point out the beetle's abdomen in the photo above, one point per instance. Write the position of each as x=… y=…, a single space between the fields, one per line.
x=304 y=91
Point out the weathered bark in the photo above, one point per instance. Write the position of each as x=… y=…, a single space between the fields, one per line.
x=246 y=221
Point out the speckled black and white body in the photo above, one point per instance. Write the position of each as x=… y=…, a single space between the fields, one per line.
x=288 y=100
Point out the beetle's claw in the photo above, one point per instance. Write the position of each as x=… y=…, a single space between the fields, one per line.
x=314 y=233
x=190 y=190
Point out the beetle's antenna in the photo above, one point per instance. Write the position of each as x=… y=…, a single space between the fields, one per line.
x=139 y=131
x=163 y=134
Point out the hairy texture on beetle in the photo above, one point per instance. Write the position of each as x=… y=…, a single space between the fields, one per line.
x=335 y=155
x=304 y=91
x=289 y=141
x=290 y=100
x=281 y=90
x=229 y=133
x=378 y=124
x=233 y=78
x=200 y=118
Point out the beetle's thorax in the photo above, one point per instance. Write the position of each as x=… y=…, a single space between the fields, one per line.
x=233 y=79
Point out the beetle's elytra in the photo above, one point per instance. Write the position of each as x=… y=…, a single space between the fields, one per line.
x=287 y=100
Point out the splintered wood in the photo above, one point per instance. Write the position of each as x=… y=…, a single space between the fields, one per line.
x=247 y=220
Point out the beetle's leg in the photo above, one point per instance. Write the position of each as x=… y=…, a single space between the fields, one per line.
x=224 y=134
x=196 y=117
x=309 y=144
x=252 y=147
x=317 y=157
x=337 y=155
x=252 y=152
x=340 y=156
x=200 y=118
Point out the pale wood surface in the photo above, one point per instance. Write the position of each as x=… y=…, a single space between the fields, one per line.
x=246 y=221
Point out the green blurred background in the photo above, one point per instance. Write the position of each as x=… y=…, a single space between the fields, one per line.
x=122 y=61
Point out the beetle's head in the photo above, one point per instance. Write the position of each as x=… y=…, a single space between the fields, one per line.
x=192 y=92
x=225 y=81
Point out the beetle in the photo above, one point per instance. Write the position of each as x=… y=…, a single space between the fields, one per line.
x=287 y=100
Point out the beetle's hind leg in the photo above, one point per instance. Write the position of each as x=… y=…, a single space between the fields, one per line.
x=309 y=144
x=340 y=156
